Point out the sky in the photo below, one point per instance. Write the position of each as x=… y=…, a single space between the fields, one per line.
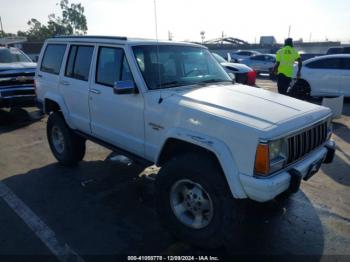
x=315 y=20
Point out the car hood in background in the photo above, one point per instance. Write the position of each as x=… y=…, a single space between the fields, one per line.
x=16 y=66
x=240 y=67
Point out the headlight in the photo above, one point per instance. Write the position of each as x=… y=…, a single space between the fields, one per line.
x=275 y=148
x=270 y=157
x=278 y=154
x=329 y=128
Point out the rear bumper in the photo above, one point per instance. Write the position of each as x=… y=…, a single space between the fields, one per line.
x=265 y=189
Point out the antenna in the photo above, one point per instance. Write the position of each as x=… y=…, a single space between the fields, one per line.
x=289 y=30
x=2 y=29
x=155 y=18
x=158 y=64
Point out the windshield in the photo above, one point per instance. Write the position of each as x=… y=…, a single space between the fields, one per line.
x=12 y=55
x=219 y=58
x=178 y=66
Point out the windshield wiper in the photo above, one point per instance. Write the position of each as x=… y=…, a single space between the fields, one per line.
x=214 y=81
x=169 y=84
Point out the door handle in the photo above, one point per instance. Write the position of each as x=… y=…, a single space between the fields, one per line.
x=65 y=83
x=95 y=91
x=39 y=75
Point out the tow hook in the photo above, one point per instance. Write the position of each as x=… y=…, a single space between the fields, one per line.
x=330 y=146
x=295 y=180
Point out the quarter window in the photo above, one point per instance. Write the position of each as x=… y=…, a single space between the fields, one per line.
x=258 y=57
x=327 y=63
x=52 y=59
x=112 y=66
x=78 y=63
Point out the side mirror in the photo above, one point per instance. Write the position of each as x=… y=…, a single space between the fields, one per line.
x=124 y=87
x=233 y=77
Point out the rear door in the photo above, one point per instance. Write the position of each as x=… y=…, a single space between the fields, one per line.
x=269 y=63
x=345 y=76
x=323 y=75
x=74 y=84
x=257 y=62
x=49 y=67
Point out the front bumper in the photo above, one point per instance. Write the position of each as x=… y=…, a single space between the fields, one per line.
x=265 y=189
x=17 y=97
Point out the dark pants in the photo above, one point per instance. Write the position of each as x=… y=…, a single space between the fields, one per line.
x=283 y=83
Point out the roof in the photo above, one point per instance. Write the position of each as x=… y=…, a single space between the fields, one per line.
x=116 y=40
x=326 y=56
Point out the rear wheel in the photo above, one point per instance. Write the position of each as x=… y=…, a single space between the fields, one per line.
x=194 y=202
x=301 y=90
x=67 y=147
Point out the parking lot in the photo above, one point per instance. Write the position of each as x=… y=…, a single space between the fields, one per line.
x=105 y=206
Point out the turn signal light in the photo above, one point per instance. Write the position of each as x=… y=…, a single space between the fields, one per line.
x=262 y=161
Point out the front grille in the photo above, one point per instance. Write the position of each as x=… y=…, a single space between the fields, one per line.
x=307 y=140
x=18 y=79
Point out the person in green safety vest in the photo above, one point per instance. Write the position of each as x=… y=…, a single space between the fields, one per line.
x=285 y=58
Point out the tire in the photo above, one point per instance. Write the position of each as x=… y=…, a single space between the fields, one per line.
x=272 y=75
x=301 y=90
x=67 y=147
x=204 y=171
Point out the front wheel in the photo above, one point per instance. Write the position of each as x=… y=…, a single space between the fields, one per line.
x=67 y=147
x=194 y=202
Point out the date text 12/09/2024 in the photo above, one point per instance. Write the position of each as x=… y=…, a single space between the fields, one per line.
x=173 y=258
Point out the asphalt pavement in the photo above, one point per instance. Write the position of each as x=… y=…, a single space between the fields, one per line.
x=104 y=208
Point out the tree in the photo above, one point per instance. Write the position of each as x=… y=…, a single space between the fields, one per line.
x=73 y=17
x=73 y=21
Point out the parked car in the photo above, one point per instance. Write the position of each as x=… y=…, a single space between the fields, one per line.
x=261 y=63
x=243 y=74
x=238 y=55
x=16 y=78
x=171 y=104
x=306 y=56
x=327 y=75
x=338 y=50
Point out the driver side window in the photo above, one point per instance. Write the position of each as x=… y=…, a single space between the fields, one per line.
x=112 y=66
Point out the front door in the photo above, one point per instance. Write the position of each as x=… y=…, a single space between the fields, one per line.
x=345 y=77
x=323 y=76
x=116 y=118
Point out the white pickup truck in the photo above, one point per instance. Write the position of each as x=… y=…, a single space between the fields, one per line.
x=173 y=105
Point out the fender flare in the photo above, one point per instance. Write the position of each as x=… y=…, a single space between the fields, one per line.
x=64 y=109
x=218 y=148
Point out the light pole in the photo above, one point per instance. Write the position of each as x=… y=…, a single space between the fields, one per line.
x=202 y=36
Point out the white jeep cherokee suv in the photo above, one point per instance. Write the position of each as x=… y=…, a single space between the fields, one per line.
x=172 y=104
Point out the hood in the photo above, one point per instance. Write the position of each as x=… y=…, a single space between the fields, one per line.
x=258 y=108
x=240 y=67
x=16 y=66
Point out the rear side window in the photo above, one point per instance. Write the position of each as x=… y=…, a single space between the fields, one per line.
x=345 y=63
x=258 y=57
x=334 y=50
x=245 y=53
x=346 y=50
x=112 y=66
x=79 y=61
x=52 y=60
x=327 y=63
